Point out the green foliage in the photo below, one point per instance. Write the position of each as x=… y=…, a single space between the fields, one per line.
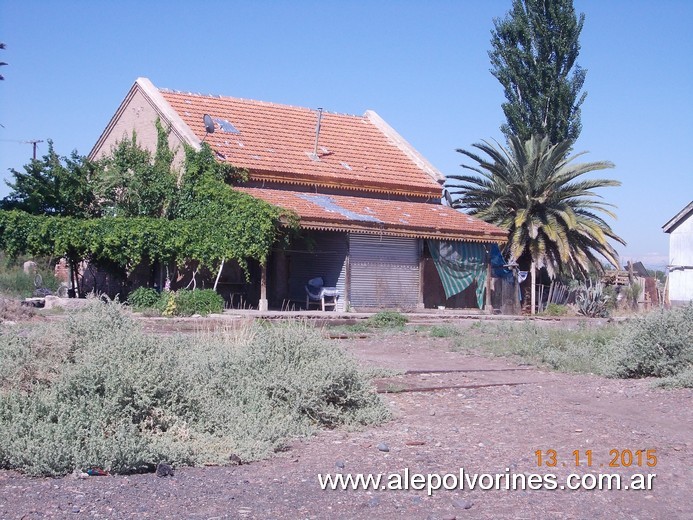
x=632 y=294
x=553 y=309
x=15 y=283
x=132 y=183
x=531 y=189
x=128 y=241
x=682 y=379
x=94 y=390
x=388 y=319
x=444 y=331
x=591 y=301
x=585 y=349
x=197 y=301
x=658 y=344
x=205 y=219
x=54 y=185
x=534 y=50
x=144 y=298
x=611 y=294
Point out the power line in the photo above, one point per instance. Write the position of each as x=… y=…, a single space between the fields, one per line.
x=33 y=142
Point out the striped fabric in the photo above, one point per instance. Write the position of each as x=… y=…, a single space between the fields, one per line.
x=459 y=264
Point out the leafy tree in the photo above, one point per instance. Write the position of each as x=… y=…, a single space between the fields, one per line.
x=533 y=190
x=133 y=183
x=54 y=185
x=534 y=50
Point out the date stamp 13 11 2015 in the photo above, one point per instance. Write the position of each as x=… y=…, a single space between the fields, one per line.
x=616 y=458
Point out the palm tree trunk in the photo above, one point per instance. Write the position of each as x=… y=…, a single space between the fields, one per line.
x=534 y=289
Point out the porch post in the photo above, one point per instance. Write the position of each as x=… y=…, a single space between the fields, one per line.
x=534 y=290
x=263 y=306
x=488 y=308
x=420 y=300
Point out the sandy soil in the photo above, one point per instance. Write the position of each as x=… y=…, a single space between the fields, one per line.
x=487 y=416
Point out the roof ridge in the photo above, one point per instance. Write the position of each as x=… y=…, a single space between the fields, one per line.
x=255 y=102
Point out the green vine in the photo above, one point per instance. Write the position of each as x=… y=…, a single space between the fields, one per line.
x=147 y=215
x=246 y=230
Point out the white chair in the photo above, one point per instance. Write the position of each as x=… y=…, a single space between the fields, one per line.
x=316 y=293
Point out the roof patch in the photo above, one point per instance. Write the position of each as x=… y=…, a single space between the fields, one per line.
x=328 y=203
x=226 y=126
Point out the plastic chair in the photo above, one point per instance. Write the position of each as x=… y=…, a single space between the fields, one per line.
x=317 y=292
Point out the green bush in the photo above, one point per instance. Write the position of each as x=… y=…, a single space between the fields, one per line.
x=144 y=298
x=95 y=390
x=444 y=331
x=658 y=344
x=198 y=301
x=683 y=379
x=388 y=319
x=15 y=283
x=554 y=309
x=179 y=303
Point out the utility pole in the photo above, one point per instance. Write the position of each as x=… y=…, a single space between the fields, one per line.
x=34 y=142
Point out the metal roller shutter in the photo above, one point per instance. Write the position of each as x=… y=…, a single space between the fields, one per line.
x=384 y=271
x=327 y=260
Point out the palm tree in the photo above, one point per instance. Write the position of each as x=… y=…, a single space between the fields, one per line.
x=532 y=189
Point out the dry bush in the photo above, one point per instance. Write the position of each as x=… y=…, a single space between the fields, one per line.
x=114 y=397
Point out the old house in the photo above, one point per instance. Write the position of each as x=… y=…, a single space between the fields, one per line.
x=680 y=268
x=371 y=217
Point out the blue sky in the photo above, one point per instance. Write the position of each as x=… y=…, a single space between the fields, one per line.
x=422 y=65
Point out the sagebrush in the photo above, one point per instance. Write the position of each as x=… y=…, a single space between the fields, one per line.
x=658 y=344
x=95 y=390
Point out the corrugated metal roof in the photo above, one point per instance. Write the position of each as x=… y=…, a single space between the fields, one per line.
x=387 y=217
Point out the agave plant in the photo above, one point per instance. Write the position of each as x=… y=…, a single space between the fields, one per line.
x=592 y=301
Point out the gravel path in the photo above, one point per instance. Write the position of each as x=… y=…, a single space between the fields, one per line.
x=483 y=429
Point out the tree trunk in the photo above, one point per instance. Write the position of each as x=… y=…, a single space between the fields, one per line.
x=534 y=289
x=216 y=282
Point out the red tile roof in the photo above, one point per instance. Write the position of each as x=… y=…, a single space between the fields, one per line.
x=275 y=142
x=373 y=215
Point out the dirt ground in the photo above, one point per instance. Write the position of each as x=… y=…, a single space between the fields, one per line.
x=483 y=415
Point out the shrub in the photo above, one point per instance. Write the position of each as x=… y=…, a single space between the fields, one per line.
x=98 y=391
x=444 y=331
x=144 y=298
x=554 y=309
x=388 y=319
x=632 y=294
x=179 y=303
x=582 y=350
x=13 y=310
x=683 y=379
x=15 y=283
x=198 y=301
x=657 y=344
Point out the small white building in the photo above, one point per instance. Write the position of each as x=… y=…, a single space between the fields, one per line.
x=680 y=282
